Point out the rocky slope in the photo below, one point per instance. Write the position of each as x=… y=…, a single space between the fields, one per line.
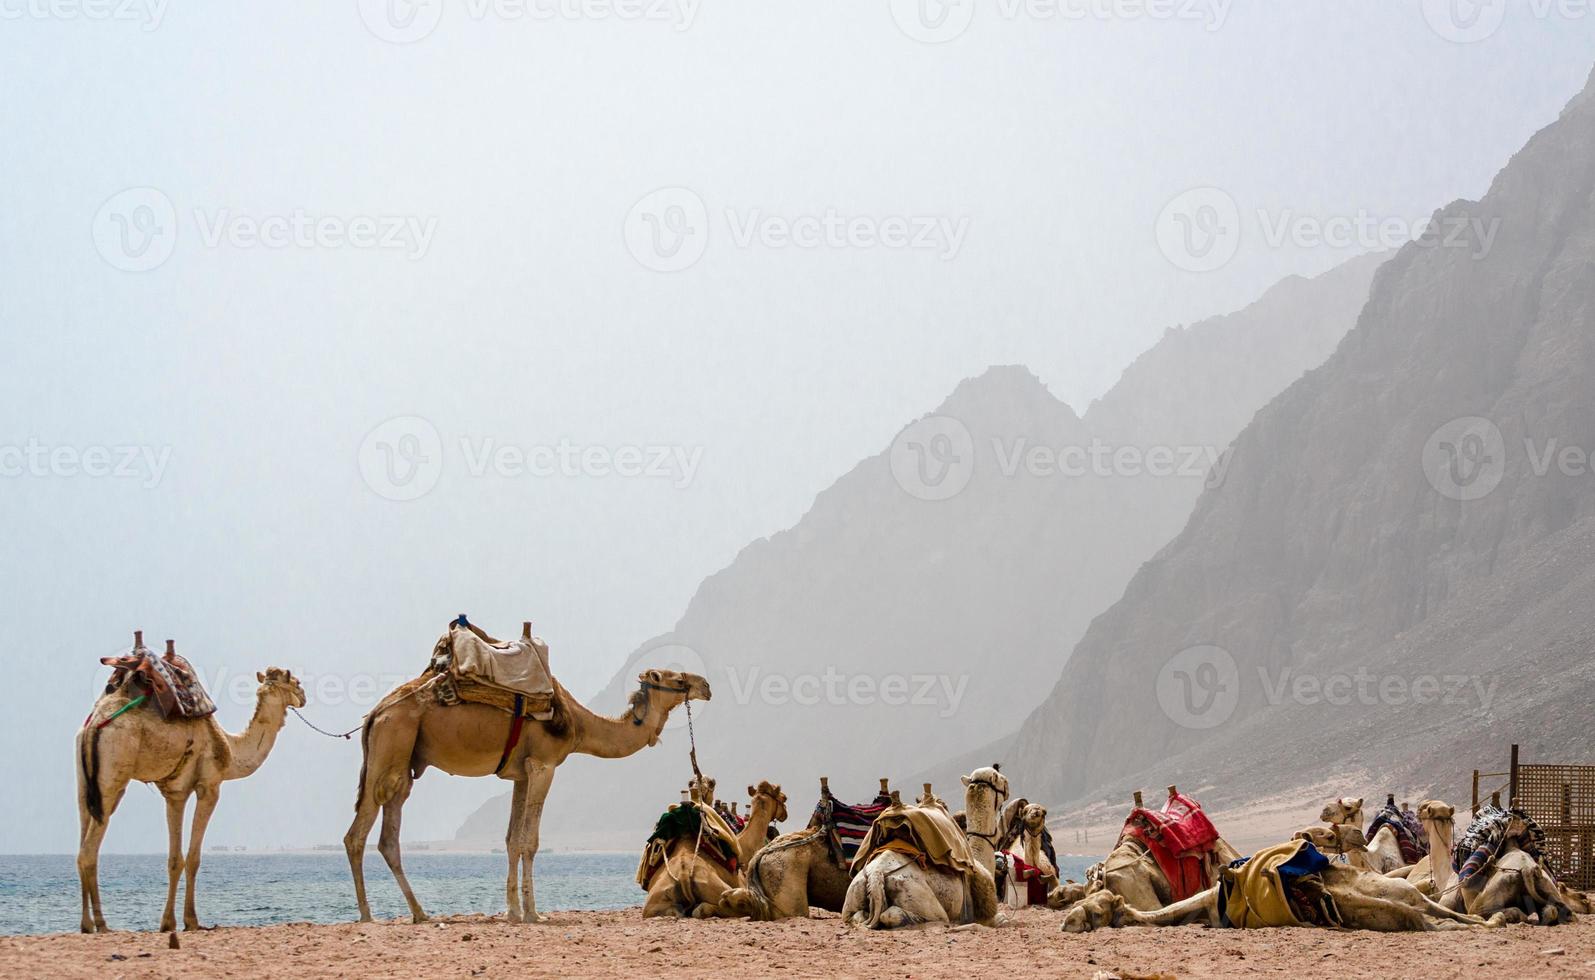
x=918 y=609
x=1393 y=582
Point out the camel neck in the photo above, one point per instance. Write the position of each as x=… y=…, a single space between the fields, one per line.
x=251 y=746
x=614 y=738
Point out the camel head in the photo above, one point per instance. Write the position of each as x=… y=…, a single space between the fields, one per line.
x=1346 y=810
x=986 y=783
x=1336 y=839
x=1034 y=818
x=674 y=687
x=1439 y=813
x=1099 y=910
x=769 y=791
x=665 y=690
x=281 y=685
x=701 y=790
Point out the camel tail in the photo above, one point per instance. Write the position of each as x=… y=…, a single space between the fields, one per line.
x=875 y=902
x=365 y=756
x=89 y=772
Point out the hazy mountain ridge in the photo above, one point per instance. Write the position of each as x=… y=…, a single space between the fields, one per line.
x=968 y=600
x=1329 y=550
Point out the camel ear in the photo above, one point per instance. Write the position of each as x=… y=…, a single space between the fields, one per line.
x=1357 y=805
x=259 y=677
x=965 y=779
x=752 y=791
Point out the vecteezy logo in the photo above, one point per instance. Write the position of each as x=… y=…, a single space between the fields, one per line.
x=933 y=21
x=402 y=458
x=136 y=229
x=1465 y=21
x=682 y=660
x=1200 y=231
x=400 y=21
x=934 y=458
x=668 y=230
x=1200 y=687
x=1465 y=459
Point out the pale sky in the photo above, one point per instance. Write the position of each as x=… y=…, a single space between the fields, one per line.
x=339 y=231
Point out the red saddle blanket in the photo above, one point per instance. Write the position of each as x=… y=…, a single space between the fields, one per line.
x=1180 y=838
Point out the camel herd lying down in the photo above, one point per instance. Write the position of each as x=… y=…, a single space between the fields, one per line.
x=895 y=887
x=921 y=864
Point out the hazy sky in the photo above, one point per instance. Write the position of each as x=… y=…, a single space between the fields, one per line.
x=238 y=238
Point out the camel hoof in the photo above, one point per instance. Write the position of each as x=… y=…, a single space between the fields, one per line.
x=417 y=920
x=537 y=920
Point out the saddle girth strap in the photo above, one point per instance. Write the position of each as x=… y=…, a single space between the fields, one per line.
x=515 y=734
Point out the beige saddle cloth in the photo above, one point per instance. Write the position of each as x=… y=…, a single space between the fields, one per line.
x=928 y=830
x=516 y=667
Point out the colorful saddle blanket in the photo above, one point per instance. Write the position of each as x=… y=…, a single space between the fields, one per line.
x=1413 y=846
x=846 y=826
x=170 y=680
x=1279 y=886
x=1490 y=834
x=1181 y=839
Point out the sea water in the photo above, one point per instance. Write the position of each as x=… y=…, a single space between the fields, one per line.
x=39 y=893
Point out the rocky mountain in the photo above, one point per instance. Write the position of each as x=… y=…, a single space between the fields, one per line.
x=918 y=608
x=1394 y=581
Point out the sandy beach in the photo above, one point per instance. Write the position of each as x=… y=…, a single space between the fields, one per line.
x=623 y=944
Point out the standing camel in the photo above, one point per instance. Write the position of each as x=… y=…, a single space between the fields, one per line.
x=181 y=757
x=410 y=731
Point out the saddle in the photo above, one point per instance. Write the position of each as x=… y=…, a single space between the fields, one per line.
x=1181 y=840
x=928 y=829
x=1413 y=846
x=846 y=826
x=691 y=821
x=475 y=667
x=170 y=680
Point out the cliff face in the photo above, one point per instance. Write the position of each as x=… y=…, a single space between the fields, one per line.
x=920 y=607
x=1419 y=511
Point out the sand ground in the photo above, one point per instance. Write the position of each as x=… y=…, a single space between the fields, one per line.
x=609 y=944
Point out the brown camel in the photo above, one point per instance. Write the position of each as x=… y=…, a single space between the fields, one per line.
x=1383 y=850
x=1363 y=900
x=690 y=882
x=893 y=889
x=792 y=873
x=180 y=757
x=1433 y=873
x=1131 y=871
x=410 y=731
x=767 y=806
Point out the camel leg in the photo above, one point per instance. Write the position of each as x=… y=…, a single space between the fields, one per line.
x=661 y=901
x=354 y=844
x=1201 y=907
x=539 y=778
x=204 y=806
x=512 y=897
x=89 y=859
x=175 y=805
x=388 y=845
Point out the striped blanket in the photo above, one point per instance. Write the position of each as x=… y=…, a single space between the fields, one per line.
x=846 y=826
x=1490 y=834
x=1413 y=846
